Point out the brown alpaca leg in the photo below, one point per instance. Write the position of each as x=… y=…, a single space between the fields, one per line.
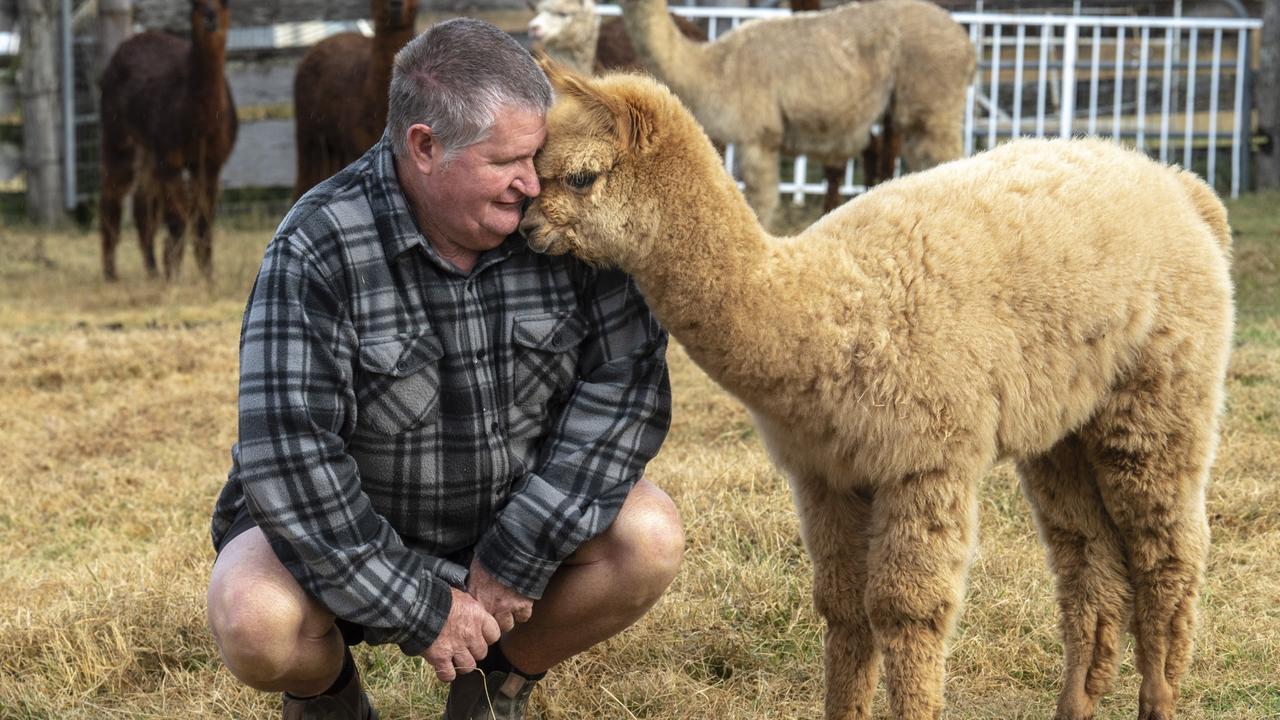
x=1087 y=559
x=176 y=210
x=1152 y=443
x=117 y=178
x=146 y=215
x=206 y=198
x=922 y=534
x=835 y=527
x=835 y=178
x=760 y=175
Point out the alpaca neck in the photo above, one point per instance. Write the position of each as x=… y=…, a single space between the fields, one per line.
x=207 y=84
x=377 y=80
x=706 y=278
x=665 y=51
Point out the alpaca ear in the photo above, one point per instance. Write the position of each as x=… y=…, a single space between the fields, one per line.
x=628 y=117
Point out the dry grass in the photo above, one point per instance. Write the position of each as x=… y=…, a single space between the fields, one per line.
x=119 y=413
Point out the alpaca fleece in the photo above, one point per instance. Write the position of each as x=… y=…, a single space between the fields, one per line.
x=814 y=83
x=1063 y=304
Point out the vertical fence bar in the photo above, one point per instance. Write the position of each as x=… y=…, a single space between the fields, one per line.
x=1239 y=119
x=1020 y=42
x=1189 y=119
x=800 y=174
x=1243 y=122
x=1119 y=84
x=1094 y=71
x=1070 y=37
x=1046 y=31
x=712 y=29
x=970 y=94
x=69 y=191
x=1166 y=91
x=1144 y=61
x=993 y=110
x=1214 y=86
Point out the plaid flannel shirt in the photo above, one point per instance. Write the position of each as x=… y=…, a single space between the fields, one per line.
x=397 y=415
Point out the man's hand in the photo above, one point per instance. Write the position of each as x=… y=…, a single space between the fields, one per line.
x=465 y=639
x=506 y=606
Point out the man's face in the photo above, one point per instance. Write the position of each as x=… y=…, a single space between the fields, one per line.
x=480 y=192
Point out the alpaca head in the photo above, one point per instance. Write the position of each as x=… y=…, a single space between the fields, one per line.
x=393 y=15
x=603 y=179
x=556 y=21
x=211 y=19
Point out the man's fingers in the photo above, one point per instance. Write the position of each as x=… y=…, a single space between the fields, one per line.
x=490 y=630
x=523 y=613
x=463 y=662
x=444 y=669
x=506 y=621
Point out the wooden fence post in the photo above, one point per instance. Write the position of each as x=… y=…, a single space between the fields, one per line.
x=1267 y=98
x=41 y=116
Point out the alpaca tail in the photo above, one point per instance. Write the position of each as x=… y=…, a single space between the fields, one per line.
x=1209 y=207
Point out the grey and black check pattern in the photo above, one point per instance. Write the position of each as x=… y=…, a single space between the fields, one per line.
x=397 y=415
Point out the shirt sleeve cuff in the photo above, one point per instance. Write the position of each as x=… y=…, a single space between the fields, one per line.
x=513 y=566
x=429 y=615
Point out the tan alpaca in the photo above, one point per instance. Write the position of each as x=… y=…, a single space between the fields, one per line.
x=1065 y=304
x=815 y=83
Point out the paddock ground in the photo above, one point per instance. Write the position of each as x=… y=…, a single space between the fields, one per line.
x=119 y=410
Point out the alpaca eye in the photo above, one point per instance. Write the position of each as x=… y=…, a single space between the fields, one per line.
x=580 y=181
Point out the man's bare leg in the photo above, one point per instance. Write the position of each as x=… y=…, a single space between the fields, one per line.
x=604 y=587
x=271 y=634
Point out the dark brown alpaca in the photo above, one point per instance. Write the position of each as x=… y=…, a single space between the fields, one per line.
x=333 y=127
x=614 y=50
x=168 y=125
x=878 y=157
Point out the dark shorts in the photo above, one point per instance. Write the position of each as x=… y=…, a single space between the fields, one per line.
x=352 y=633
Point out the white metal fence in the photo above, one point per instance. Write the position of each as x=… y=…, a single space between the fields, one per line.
x=1177 y=88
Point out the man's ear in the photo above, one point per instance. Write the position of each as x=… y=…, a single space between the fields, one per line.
x=425 y=152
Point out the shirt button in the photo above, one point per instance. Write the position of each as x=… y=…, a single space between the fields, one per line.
x=480 y=354
x=557 y=338
x=401 y=365
x=494 y=427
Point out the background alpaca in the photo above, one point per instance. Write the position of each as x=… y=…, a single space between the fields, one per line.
x=1065 y=304
x=571 y=33
x=168 y=125
x=815 y=83
x=332 y=126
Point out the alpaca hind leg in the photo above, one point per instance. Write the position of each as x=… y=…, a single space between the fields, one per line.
x=1087 y=559
x=176 y=211
x=834 y=526
x=1152 y=444
x=930 y=139
x=146 y=215
x=834 y=174
x=760 y=175
x=922 y=536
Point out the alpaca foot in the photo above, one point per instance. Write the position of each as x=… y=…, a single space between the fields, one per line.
x=1155 y=703
x=1075 y=706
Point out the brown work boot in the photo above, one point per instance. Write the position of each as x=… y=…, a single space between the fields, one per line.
x=347 y=703
x=494 y=695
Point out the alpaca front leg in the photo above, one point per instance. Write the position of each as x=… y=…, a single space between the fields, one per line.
x=760 y=175
x=146 y=217
x=834 y=527
x=921 y=540
x=176 y=209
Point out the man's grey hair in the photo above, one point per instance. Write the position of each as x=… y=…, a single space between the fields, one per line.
x=455 y=77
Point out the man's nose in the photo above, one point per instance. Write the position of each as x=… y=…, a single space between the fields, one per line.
x=527 y=181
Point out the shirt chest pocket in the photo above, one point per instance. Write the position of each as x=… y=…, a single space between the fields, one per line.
x=399 y=382
x=545 y=356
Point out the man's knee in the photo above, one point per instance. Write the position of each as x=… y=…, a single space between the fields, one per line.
x=649 y=536
x=257 y=629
